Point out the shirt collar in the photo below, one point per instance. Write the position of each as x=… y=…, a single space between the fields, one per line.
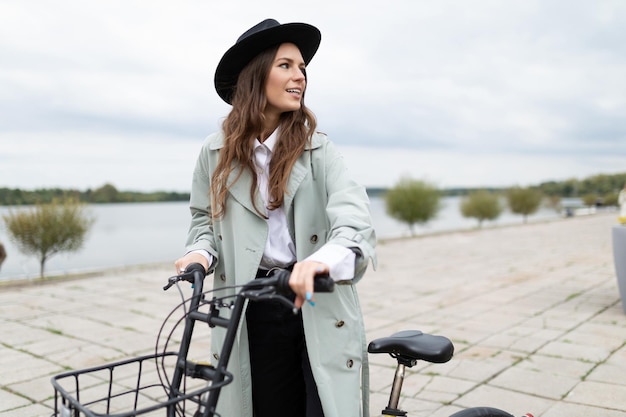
x=270 y=142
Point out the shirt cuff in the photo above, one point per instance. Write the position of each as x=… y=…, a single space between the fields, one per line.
x=339 y=259
x=204 y=253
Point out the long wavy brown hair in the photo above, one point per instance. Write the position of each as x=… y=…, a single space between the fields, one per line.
x=245 y=123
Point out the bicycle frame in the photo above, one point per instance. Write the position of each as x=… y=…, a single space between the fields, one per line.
x=212 y=319
x=219 y=376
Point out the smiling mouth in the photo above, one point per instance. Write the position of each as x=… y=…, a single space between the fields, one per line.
x=294 y=91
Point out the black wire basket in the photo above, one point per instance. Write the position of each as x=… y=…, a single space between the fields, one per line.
x=132 y=387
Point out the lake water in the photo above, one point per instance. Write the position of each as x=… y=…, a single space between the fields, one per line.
x=131 y=234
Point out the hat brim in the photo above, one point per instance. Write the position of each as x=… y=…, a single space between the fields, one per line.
x=306 y=37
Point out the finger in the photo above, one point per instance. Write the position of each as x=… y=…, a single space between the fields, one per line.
x=298 y=302
x=322 y=269
x=308 y=288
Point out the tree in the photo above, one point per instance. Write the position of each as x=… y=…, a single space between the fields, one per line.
x=105 y=194
x=3 y=254
x=610 y=199
x=590 y=199
x=481 y=205
x=48 y=229
x=412 y=201
x=524 y=201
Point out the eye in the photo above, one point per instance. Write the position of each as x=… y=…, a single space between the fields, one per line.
x=303 y=69
x=284 y=65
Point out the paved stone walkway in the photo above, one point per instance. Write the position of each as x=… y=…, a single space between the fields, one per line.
x=533 y=310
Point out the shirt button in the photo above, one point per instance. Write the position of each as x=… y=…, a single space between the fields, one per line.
x=350 y=363
x=223 y=277
x=339 y=323
x=314 y=239
x=216 y=356
x=219 y=237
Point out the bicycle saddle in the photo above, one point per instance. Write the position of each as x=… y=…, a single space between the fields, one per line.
x=408 y=346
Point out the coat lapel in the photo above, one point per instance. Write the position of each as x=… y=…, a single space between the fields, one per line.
x=241 y=192
x=302 y=167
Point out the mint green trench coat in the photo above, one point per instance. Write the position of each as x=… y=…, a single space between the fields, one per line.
x=322 y=205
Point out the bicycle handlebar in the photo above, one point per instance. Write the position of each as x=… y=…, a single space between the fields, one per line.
x=279 y=281
x=188 y=275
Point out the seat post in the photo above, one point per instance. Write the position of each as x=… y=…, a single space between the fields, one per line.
x=394 y=396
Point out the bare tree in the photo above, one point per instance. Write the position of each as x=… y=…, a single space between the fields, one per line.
x=47 y=229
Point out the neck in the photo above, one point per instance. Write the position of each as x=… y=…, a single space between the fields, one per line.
x=269 y=127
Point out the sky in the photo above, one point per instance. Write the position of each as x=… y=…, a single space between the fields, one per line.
x=481 y=93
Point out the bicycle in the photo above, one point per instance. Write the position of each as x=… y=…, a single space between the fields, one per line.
x=141 y=386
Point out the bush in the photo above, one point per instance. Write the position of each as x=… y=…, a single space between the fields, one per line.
x=49 y=228
x=524 y=201
x=412 y=201
x=590 y=199
x=610 y=199
x=481 y=205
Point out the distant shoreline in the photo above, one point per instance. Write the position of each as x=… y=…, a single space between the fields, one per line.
x=164 y=265
x=72 y=276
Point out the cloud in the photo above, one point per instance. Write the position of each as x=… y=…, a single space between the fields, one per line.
x=505 y=83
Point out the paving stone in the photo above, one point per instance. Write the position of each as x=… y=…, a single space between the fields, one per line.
x=613 y=370
x=511 y=401
x=533 y=382
x=11 y=401
x=570 y=368
x=478 y=371
x=37 y=389
x=25 y=368
x=567 y=409
x=566 y=349
x=599 y=394
x=31 y=410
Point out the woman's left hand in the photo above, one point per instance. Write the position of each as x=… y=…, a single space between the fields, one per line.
x=301 y=280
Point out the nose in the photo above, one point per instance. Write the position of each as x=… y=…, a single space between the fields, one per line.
x=299 y=74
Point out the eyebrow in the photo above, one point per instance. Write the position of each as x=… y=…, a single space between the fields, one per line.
x=289 y=60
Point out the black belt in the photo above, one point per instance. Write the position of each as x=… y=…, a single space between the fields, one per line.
x=264 y=273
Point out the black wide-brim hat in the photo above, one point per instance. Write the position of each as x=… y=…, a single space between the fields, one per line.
x=255 y=40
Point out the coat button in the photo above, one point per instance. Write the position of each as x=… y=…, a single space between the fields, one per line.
x=350 y=363
x=223 y=277
x=314 y=239
x=339 y=323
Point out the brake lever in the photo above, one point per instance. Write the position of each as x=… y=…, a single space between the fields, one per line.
x=171 y=281
x=269 y=293
x=285 y=301
x=177 y=278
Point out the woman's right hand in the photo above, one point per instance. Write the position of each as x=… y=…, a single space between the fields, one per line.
x=190 y=258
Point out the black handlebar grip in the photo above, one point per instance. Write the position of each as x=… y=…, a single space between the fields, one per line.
x=195 y=267
x=321 y=283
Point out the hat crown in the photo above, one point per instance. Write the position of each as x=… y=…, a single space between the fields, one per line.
x=259 y=27
x=255 y=40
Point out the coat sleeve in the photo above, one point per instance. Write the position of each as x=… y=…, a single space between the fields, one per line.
x=201 y=232
x=348 y=211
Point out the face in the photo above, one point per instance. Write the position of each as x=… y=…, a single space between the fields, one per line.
x=286 y=81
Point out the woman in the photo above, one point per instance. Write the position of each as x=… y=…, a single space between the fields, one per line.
x=270 y=192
